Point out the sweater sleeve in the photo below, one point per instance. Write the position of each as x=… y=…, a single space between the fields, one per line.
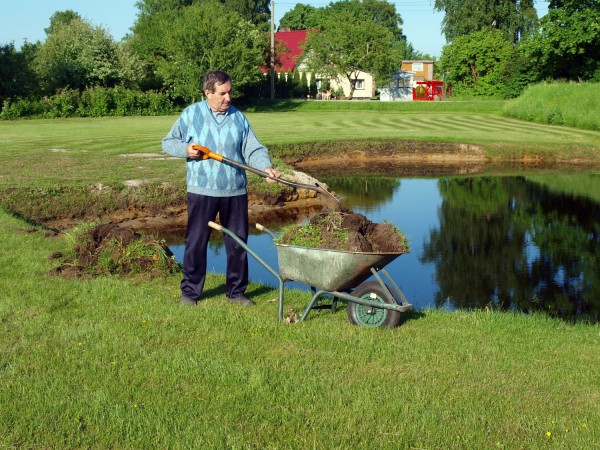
x=174 y=142
x=255 y=154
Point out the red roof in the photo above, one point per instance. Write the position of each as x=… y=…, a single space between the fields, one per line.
x=291 y=41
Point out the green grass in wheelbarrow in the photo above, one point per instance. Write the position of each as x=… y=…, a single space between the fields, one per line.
x=346 y=232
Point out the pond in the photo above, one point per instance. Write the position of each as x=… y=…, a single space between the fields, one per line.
x=524 y=243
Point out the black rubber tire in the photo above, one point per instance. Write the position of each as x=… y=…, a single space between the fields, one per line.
x=367 y=316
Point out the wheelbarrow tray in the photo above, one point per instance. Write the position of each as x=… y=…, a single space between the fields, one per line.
x=329 y=270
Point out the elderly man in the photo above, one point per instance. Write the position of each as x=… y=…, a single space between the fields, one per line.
x=214 y=187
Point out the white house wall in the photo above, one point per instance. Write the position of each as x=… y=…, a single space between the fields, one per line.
x=367 y=92
x=388 y=94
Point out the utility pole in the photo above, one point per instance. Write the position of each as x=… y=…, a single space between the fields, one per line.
x=272 y=50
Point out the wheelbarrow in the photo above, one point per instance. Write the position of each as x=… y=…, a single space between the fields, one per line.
x=340 y=275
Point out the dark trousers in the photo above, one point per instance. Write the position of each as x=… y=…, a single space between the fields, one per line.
x=233 y=214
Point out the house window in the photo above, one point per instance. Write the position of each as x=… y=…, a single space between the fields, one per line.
x=417 y=67
x=319 y=83
x=358 y=84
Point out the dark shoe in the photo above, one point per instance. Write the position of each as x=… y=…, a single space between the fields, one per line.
x=188 y=301
x=241 y=300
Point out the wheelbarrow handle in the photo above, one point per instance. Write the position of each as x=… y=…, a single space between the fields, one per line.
x=214 y=226
x=210 y=154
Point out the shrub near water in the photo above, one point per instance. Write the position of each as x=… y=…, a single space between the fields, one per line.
x=571 y=104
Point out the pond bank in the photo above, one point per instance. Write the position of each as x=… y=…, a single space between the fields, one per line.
x=380 y=158
x=391 y=158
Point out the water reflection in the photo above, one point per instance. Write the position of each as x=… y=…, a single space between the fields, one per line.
x=522 y=243
x=513 y=243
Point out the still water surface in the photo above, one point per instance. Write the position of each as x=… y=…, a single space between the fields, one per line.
x=520 y=243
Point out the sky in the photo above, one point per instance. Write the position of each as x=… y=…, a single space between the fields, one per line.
x=24 y=20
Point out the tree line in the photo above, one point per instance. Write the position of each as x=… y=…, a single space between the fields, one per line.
x=495 y=47
x=499 y=47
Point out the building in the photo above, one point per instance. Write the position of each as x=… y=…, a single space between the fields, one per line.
x=404 y=82
x=288 y=57
x=422 y=69
x=288 y=49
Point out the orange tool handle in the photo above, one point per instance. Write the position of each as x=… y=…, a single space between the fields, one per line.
x=208 y=153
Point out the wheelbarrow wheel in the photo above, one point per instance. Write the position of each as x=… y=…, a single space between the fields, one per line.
x=368 y=316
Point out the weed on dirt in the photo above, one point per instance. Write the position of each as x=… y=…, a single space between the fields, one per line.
x=347 y=232
x=108 y=249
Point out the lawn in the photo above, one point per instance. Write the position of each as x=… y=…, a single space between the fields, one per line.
x=111 y=150
x=114 y=362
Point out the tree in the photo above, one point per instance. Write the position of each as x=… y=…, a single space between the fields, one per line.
x=355 y=36
x=380 y=12
x=567 y=44
x=312 y=85
x=256 y=11
x=481 y=64
x=78 y=55
x=282 y=87
x=301 y=17
x=296 y=86
x=304 y=92
x=516 y=18
x=154 y=37
x=17 y=79
x=60 y=19
x=209 y=37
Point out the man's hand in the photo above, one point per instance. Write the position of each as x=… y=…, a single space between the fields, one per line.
x=273 y=173
x=193 y=153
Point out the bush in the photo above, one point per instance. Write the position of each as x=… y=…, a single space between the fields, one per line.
x=486 y=64
x=93 y=102
x=97 y=102
x=13 y=109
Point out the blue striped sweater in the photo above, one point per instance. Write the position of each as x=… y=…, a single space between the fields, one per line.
x=228 y=134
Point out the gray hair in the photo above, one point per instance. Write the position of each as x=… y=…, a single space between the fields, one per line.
x=214 y=78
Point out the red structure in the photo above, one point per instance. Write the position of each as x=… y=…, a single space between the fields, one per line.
x=291 y=42
x=287 y=50
x=428 y=91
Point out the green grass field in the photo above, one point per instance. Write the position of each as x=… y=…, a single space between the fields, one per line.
x=118 y=363
x=86 y=151
x=114 y=362
x=572 y=104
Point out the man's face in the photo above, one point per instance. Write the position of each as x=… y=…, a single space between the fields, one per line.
x=219 y=100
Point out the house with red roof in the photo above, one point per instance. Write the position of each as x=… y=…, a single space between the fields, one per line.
x=288 y=57
x=290 y=51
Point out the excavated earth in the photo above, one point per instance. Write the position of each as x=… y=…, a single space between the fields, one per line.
x=297 y=205
x=362 y=234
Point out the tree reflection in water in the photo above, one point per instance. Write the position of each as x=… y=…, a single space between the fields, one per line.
x=509 y=243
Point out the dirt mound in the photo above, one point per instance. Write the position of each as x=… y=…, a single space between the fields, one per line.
x=112 y=249
x=346 y=231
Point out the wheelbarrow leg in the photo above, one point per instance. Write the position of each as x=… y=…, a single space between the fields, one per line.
x=403 y=301
x=276 y=274
x=313 y=302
